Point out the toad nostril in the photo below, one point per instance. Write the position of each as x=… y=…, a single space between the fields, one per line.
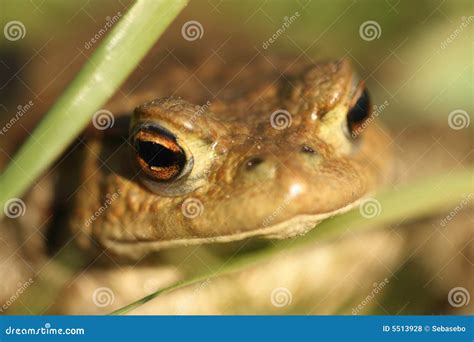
x=252 y=163
x=257 y=168
x=307 y=149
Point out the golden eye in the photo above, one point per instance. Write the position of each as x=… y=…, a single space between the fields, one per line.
x=158 y=154
x=359 y=111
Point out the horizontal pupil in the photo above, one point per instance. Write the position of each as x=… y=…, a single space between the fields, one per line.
x=156 y=155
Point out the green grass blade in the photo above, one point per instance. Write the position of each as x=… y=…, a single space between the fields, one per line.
x=111 y=63
x=408 y=202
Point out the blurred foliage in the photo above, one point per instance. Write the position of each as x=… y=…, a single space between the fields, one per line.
x=405 y=66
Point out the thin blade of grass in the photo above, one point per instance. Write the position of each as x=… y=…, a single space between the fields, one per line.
x=408 y=202
x=118 y=54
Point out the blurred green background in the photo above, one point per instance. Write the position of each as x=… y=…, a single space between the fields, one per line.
x=410 y=63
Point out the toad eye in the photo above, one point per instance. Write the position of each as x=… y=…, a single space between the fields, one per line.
x=359 y=111
x=159 y=154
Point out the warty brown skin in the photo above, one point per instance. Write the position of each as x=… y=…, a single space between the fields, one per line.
x=308 y=171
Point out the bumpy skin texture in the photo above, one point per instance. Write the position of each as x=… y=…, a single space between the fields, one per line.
x=287 y=193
